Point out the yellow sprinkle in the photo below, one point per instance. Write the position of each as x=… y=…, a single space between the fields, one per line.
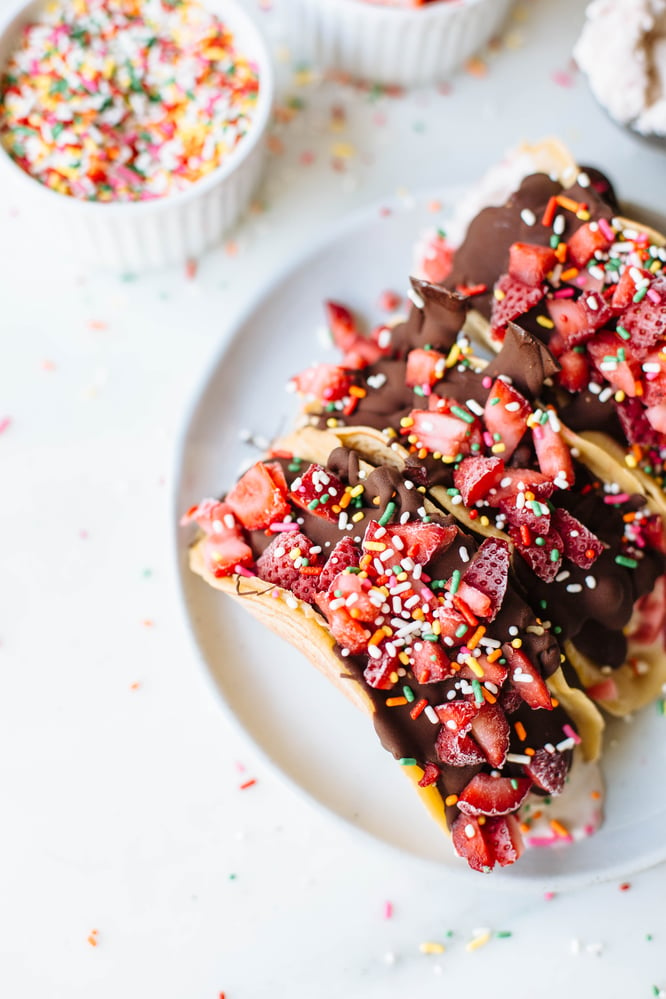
x=477 y=942
x=357 y=516
x=630 y=461
x=474 y=666
x=431 y=948
x=454 y=355
x=423 y=453
x=407 y=421
x=544 y=321
x=375 y=546
x=620 y=396
x=498 y=448
x=437 y=629
x=357 y=490
x=484 y=521
x=404 y=658
x=343 y=150
x=517 y=643
x=583 y=215
x=331 y=422
x=499 y=295
x=451 y=799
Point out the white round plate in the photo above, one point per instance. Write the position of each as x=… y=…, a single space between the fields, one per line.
x=303 y=726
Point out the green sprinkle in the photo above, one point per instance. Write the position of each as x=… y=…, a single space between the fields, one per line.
x=387 y=514
x=555 y=555
x=461 y=630
x=463 y=414
x=540 y=542
x=495 y=399
x=407 y=761
x=478 y=694
x=554 y=242
x=514 y=783
x=418 y=390
x=409 y=694
x=628 y=563
x=557 y=629
x=503 y=934
x=313 y=504
x=640 y=294
x=455 y=580
x=621 y=354
x=624 y=333
x=661 y=707
x=430 y=638
x=543 y=604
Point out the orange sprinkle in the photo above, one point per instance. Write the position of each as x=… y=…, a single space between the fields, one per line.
x=345 y=500
x=628 y=518
x=310 y=570
x=476 y=638
x=568 y=203
x=529 y=751
x=569 y=274
x=520 y=731
x=554 y=701
x=488 y=696
x=559 y=829
x=377 y=637
x=135 y=685
x=638 y=388
x=595 y=795
x=451 y=799
x=395 y=702
x=561 y=252
x=358 y=391
x=92 y=937
x=494 y=656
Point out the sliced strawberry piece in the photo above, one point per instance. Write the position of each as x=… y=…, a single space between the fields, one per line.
x=486 y=672
x=615 y=362
x=212 y=516
x=486 y=795
x=453 y=746
x=323 y=382
x=282 y=560
x=473 y=599
x=434 y=258
x=223 y=552
x=627 y=286
x=521 y=480
x=491 y=730
x=469 y=842
x=646 y=320
x=635 y=424
x=548 y=770
x=587 y=240
x=475 y=476
x=647 y=621
x=526 y=679
x=578 y=320
x=510 y=700
x=544 y=560
x=345 y=555
x=424 y=367
x=504 y=839
x=382 y=673
x=489 y=572
x=553 y=454
x=415 y=540
x=605 y=690
x=430 y=664
x=654 y=532
x=363 y=353
x=257 y=499
x=581 y=546
x=511 y=299
x=342 y=325
x=505 y=415
x=443 y=432
x=431 y=773
x=348 y=633
x=574 y=373
x=362 y=600
x=318 y=491
x=451 y=624
x=653 y=381
x=533 y=515
x=531 y=263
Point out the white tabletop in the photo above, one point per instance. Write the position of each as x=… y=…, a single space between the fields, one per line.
x=134 y=862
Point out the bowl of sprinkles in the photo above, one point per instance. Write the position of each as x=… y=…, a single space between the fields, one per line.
x=139 y=124
x=404 y=43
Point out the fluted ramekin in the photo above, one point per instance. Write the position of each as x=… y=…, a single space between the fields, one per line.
x=142 y=235
x=403 y=46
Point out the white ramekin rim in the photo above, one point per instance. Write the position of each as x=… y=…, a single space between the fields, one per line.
x=256 y=133
x=436 y=10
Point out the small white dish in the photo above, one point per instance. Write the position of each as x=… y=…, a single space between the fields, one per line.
x=392 y=45
x=138 y=236
x=301 y=725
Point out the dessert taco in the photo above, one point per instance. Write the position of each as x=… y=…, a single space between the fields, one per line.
x=417 y=621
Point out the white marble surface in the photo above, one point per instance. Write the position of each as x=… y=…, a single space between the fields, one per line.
x=120 y=776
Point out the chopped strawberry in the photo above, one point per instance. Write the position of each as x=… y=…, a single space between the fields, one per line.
x=635 y=424
x=363 y=353
x=280 y=563
x=489 y=572
x=415 y=540
x=581 y=546
x=578 y=320
x=526 y=679
x=491 y=730
x=615 y=362
x=531 y=263
x=430 y=776
x=587 y=240
x=511 y=299
x=223 y=552
x=646 y=320
x=544 y=560
x=453 y=745
x=212 y=516
x=486 y=795
x=510 y=700
x=348 y=633
x=548 y=770
x=430 y=664
x=435 y=258
x=520 y=480
x=345 y=555
x=362 y=600
x=605 y=690
x=574 y=373
x=451 y=624
x=553 y=454
x=424 y=367
x=653 y=382
x=469 y=842
x=532 y=515
x=627 y=286
x=504 y=839
x=473 y=599
x=505 y=415
x=257 y=499
x=486 y=672
x=324 y=382
x=654 y=532
x=342 y=325
x=318 y=491
x=475 y=476
x=443 y=432
x=382 y=673
x=646 y=626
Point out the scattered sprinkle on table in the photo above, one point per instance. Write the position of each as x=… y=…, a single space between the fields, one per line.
x=121 y=100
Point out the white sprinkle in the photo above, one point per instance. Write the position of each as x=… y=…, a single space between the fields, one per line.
x=574 y=588
x=513 y=630
x=575 y=946
x=559 y=225
x=528 y=217
x=592 y=303
x=414 y=297
x=561 y=576
x=590 y=582
x=512 y=407
x=469 y=831
x=606 y=394
x=583 y=180
x=517 y=758
x=594 y=388
x=475 y=407
x=431 y=715
x=376 y=381
x=464 y=554
x=565 y=744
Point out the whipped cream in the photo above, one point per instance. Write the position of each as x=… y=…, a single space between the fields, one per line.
x=622 y=50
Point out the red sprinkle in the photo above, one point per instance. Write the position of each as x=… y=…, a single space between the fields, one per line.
x=248 y=783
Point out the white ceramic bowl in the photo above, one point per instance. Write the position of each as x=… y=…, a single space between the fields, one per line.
x=391 y=45
x=137 y=236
